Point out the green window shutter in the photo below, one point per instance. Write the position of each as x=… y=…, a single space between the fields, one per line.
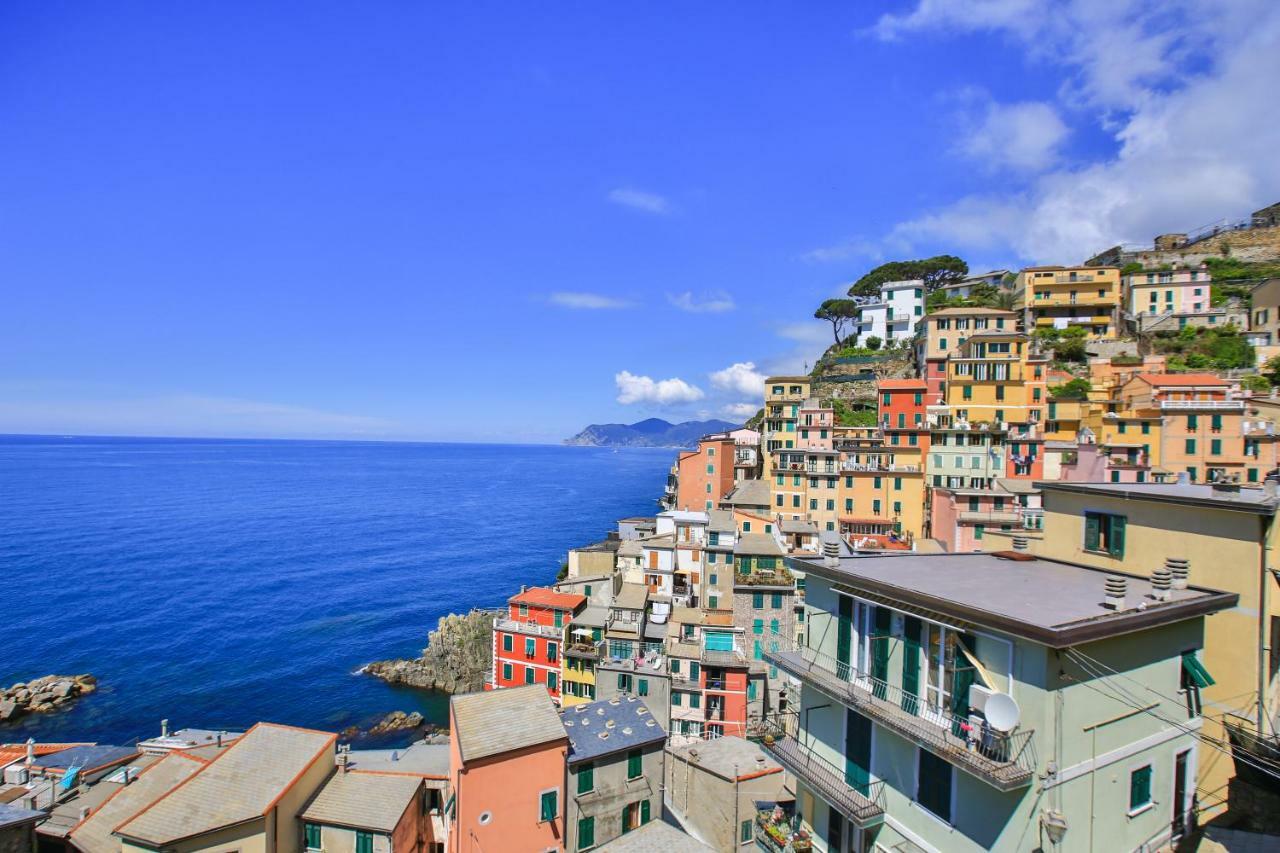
x=1215 y=421
x=364 y=842
x=506 y=672
x=622 y=681
x=1191 y=446
x=880 y=650
x=911 y=663
x=751 y=690
x=626 y=820
x=677 y=699
x=586 y=778
x=506 y=642
x=1115 y=543
x=549 y=807
x=559 y=618
x=586 y=832
x=693 y=670
x=553 y=681
x=695 y=700
x=757 y=626
x=1140 y=787
x=844 y=637
x=1092 y=535
x=313 y=836
x=644 y=811
x=644 y=687
x=635 y=765
x=530 y=647
x=773 y=627
x=1196 y=671
x=528 y=675
x=857 y=752
x=757 y=652
x=777 y=600
x=1215 y=447
x=757 y=600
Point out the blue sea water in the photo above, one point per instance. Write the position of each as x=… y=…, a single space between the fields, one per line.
x=218 y=583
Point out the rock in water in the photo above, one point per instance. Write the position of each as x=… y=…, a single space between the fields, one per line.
x=458 y=656
x=42 y=695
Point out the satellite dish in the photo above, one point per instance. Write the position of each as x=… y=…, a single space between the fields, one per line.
x=1001 y=712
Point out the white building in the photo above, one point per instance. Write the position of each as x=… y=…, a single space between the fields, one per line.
x=894 y=315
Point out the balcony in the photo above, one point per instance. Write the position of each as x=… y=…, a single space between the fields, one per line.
x=533 y=629
x=766 y=577
x=863 y=805
x=1203 y=405
x=978 y=517
x=877 y=467
x=587 y=651
x=1004 y=761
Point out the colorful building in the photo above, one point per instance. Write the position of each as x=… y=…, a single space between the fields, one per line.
x=783 y=396
x=507 y=756
x=529 y=640
x=707 y=474
x=1202 y=423
x=943 y=332
x=963 y=519
x=894 y=315
x=1062 y=297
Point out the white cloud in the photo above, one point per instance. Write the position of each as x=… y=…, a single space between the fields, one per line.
x=588 y=301
x=1184 y=90
x=740 y=378
x=641 y=200
x=1023 y=136
x=852 y=248
x=811 y=332
x=710 y=303
x=662 y=392
x=739 y=410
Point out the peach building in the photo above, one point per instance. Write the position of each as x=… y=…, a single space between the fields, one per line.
x=507 y=753
x=706 y=475
x=1202 y=429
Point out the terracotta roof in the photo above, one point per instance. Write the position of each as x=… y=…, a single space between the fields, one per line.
x=949 y=312
x=1182 y=379
x=543 y=597
x=902 y=384
x=14 y=751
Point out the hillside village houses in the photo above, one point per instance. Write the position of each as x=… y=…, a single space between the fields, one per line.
x=1001 y=603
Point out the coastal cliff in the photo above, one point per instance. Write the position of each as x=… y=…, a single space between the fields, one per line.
x=458 y=656
x=653 y=432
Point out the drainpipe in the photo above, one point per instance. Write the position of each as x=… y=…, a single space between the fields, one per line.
x=1264 y=607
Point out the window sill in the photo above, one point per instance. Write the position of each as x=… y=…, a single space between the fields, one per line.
x=1132 y=813
x=1101 y=553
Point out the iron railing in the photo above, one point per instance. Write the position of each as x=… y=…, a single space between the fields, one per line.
x=861 y=802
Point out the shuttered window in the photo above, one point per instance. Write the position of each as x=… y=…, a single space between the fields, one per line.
x=313 y=836
x=586 y=833
x=1140 y=788
x=635 y=764
x=586 y=778
x=364 y=842
x=1105 y=532
x=549 y=807
x=933 y=784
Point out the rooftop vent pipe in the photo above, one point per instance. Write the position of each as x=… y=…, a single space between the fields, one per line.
x=1179 y=569
x=1162 y=584
x=1115 y=590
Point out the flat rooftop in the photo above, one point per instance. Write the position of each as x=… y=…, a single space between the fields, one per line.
x=1049 y=602
x=725 y=756
x=421 y=759
x=1187 y=494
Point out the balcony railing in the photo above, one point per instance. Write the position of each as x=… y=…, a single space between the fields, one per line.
x=861 y=804
x=765 y=577
x=891 y=468
x=579 y=649
x=518 y=626
x=976 y=516
x=1004 y=760
x=1209 y=405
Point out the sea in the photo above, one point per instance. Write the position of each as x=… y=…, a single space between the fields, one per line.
x=217 y=583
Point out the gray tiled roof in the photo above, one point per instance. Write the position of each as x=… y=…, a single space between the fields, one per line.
x=721 y=521
x=497 y=721
x=631 y=596
x=373 y=801
x=94 y=835
x=424 y=759
x=608 y=726
x=757 y=544
x=11 y=815
x=655 y=837
x=749 y=493
x=1244 y=499
x=237 y=786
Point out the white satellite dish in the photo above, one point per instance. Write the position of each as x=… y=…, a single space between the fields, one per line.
x=1001 y=712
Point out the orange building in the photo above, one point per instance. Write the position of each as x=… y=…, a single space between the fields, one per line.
x=903 y=416
x=507 y=753
x=706 y=475
x=1202 y=430
x=528 y=641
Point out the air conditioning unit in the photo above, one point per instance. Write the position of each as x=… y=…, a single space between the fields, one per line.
x=978 y=696
x=17 y=775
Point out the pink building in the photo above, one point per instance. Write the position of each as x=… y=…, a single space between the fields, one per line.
x=507 y=753
x=1155 y=292
x=960 y=518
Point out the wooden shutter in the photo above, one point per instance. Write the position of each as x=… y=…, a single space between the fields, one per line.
x=911 y=664
x=844 y=637
x=1092 y=523
x=1115 y=539
x=857 y=751
x=880 y=650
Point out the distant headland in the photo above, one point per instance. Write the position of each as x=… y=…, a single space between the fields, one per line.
x=652 y=432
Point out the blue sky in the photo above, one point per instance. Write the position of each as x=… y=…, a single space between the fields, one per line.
x=501 y=222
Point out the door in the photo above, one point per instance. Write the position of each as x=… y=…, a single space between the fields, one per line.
x=1181 y=766
x=844 y=637
x=857 y=752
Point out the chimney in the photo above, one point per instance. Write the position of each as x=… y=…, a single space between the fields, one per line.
x=1115 y=589
x=343 y=759
x=1179 y=571
x=220 y=734
x=831 y=554
x=164 y=728
x=1161 y=583
x=1019 y=543
x=31 y=751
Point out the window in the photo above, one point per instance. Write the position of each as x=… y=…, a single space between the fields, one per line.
x=757 y=626
x=751 y=690
x=1191 y=447
x=506 y=672
x=933 y=784
x=744 y=835
x=530 y=647
x=776 y=600
x=757 y=600
x=624 y=681
x=558 y=615
x=1140 y=789
x=549 y=806
x=524 y=610
x=551 y=651
x=635 y=764
x=1104 y=532
x=586 y=832
x=695 y=700
x=586 y=778
x=528 y=675
x=693 y=670
x=506 y=642
x=1193 y=423
x=313 y=836
x=553 y=681
x=677 y=699
x=644 y=687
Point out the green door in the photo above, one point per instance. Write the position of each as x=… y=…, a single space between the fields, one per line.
x=844 y=637
x=857 y=752
x=961 y=681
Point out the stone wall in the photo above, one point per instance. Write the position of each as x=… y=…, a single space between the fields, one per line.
x=1257 y=245
x=17 y=839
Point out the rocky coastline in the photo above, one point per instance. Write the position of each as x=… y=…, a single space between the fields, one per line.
x=458 y=656
x=44 y=695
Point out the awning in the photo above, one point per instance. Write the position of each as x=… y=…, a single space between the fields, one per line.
x=1199 y=676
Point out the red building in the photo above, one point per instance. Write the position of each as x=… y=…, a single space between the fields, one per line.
x=529 y=639
x=1025 y=460
x=902 y=413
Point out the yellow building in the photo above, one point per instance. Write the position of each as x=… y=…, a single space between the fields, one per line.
x=1225 y=535
x=994 y=378
x=783 y=396
x=881 y=491
x=1058 y=297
